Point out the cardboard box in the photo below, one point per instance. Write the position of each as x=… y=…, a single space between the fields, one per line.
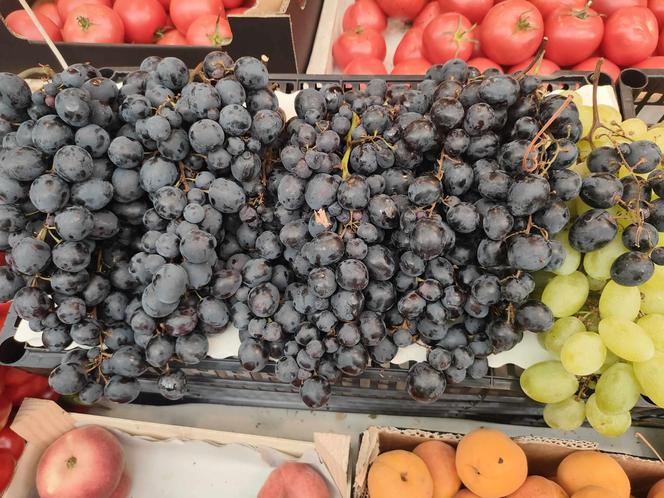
x=544 y=455
x=40 y=422
x=282 y=31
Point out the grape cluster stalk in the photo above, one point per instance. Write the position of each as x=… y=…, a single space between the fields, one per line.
x=141 y=219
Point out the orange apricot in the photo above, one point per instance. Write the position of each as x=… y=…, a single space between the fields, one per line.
x=399 y=473
x=657 y=491
x=592 y=468
x=464 y=493
x=594 y=492
x=490 y=464
x=539 y=487
x=440 y=460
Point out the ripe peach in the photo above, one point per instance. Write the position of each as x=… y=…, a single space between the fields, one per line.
x=464 y=493
x=86 y=462
x=397 y=474
x=490 y=464
x=124 y=487
x=657 y=491
x=594 y=492
x=294 y=480
x=539 y=487
x=591 y=468
x=440 y=460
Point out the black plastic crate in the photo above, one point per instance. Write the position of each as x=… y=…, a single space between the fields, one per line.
x=641 y=94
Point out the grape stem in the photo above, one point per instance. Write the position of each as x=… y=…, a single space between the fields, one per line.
x=536 y=60
x=595 y=80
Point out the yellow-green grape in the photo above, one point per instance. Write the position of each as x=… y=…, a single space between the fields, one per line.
x=617 y=389
x=541 y=279
x=584 y=149
x=652 y=293
x=566 y=294
x=609 y=116
x=597 y=264
x=572 y=256
x=566 y=415
x=607 y=424
x=634 y=129
x=650 y=375
x=595 y=284
x=610 y=360
x=660 y=241
x=582 y=169
x=619 y=301
x=656 y=135
x=626 y=339
x=586 y=117
x=562 y=329
x=653 y=324
x=583 y=353
x=548 y=382
x=622 y=216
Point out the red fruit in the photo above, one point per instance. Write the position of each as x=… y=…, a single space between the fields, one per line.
x=31 y=389
x=543 y=68
x=83 y=463
x=12 y=442
x=608 y=7
x=7 y=465
x=232 y=4
x=49 y=394
x=360 y=42
x=365 y=65
x=630 y=35
x=209 y=31
x=511 y=32
x=184 y=12
x=412 y=67
x=482 y=63
x=141 y=19
x=240 y=11
x=21 y=25
x=4 y=309
x=294 y=480
x=657 y=8
x=66 y=6
x=474 y=10
x=656 y=62
x=427 y=14
x=574 y=35
x=410 y=46
x=477 y=47
x=448 y=36
x=173 y=37
x=364 y=13
x=547 y=6
x=93 y=23
x=16 y=376
x=124 y=487
x=5 y=410
x=49 y=10
x=403 y=9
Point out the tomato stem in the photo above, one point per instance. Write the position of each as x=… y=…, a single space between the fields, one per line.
x=84 y=22
x=523 y=23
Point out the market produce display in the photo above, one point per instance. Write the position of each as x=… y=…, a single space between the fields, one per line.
x=165 y=22
x=487 y=464
x=503 y=34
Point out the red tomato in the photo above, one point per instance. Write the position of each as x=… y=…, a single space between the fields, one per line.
x=16 y=376
x=608 y=7
x=412 y=67
x=360 y=42
x=404 y=9
x=93 y=24
x=12 y=442
x=7 y=465
x=31 y=389
x=237 y=12
x=547 y=6
x=364 y=13
x=4 y=309
x=608 y=67
x=427 y=14
x=184 y=12
x=477 y=46
x=573 y=34
x=232 y=4
x=2 y=258
x=474 y=10
x=209 y=31
x=5 y=410
x=21 y=25
x=410 y=46
x=365 y=65
x=543 y=68
x=166 y=4
x=656 y=62
x=141 y=19
x=657 y=8
x=630 y=35
x=447 y=37
x=66 y=6
x=49 y=394
x=49 y=10
x=482 y=63
x=660 y=45
x=511 y=32
x=173 y=37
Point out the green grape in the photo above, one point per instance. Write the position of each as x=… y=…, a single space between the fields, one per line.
x=619 y=301
x=582 y=169
x=617 y=389
x=586 y=117
x=656 y=135
x=650 y=375
x=548 y=382
x=634 y=129
x=598 y=263
x=566 y=294
x=595 y=284
x=561 y=330
x=583 y=353
x=572 y=256
x=609 y=116
x=626 y=339
x=653 y=324
x=610 y=360
x=652 y=298
x=566 y=415
x=584 y=149
x=607 y=424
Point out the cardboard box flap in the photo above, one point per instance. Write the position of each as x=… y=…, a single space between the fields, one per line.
x=333 y=451
x=268 y=7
